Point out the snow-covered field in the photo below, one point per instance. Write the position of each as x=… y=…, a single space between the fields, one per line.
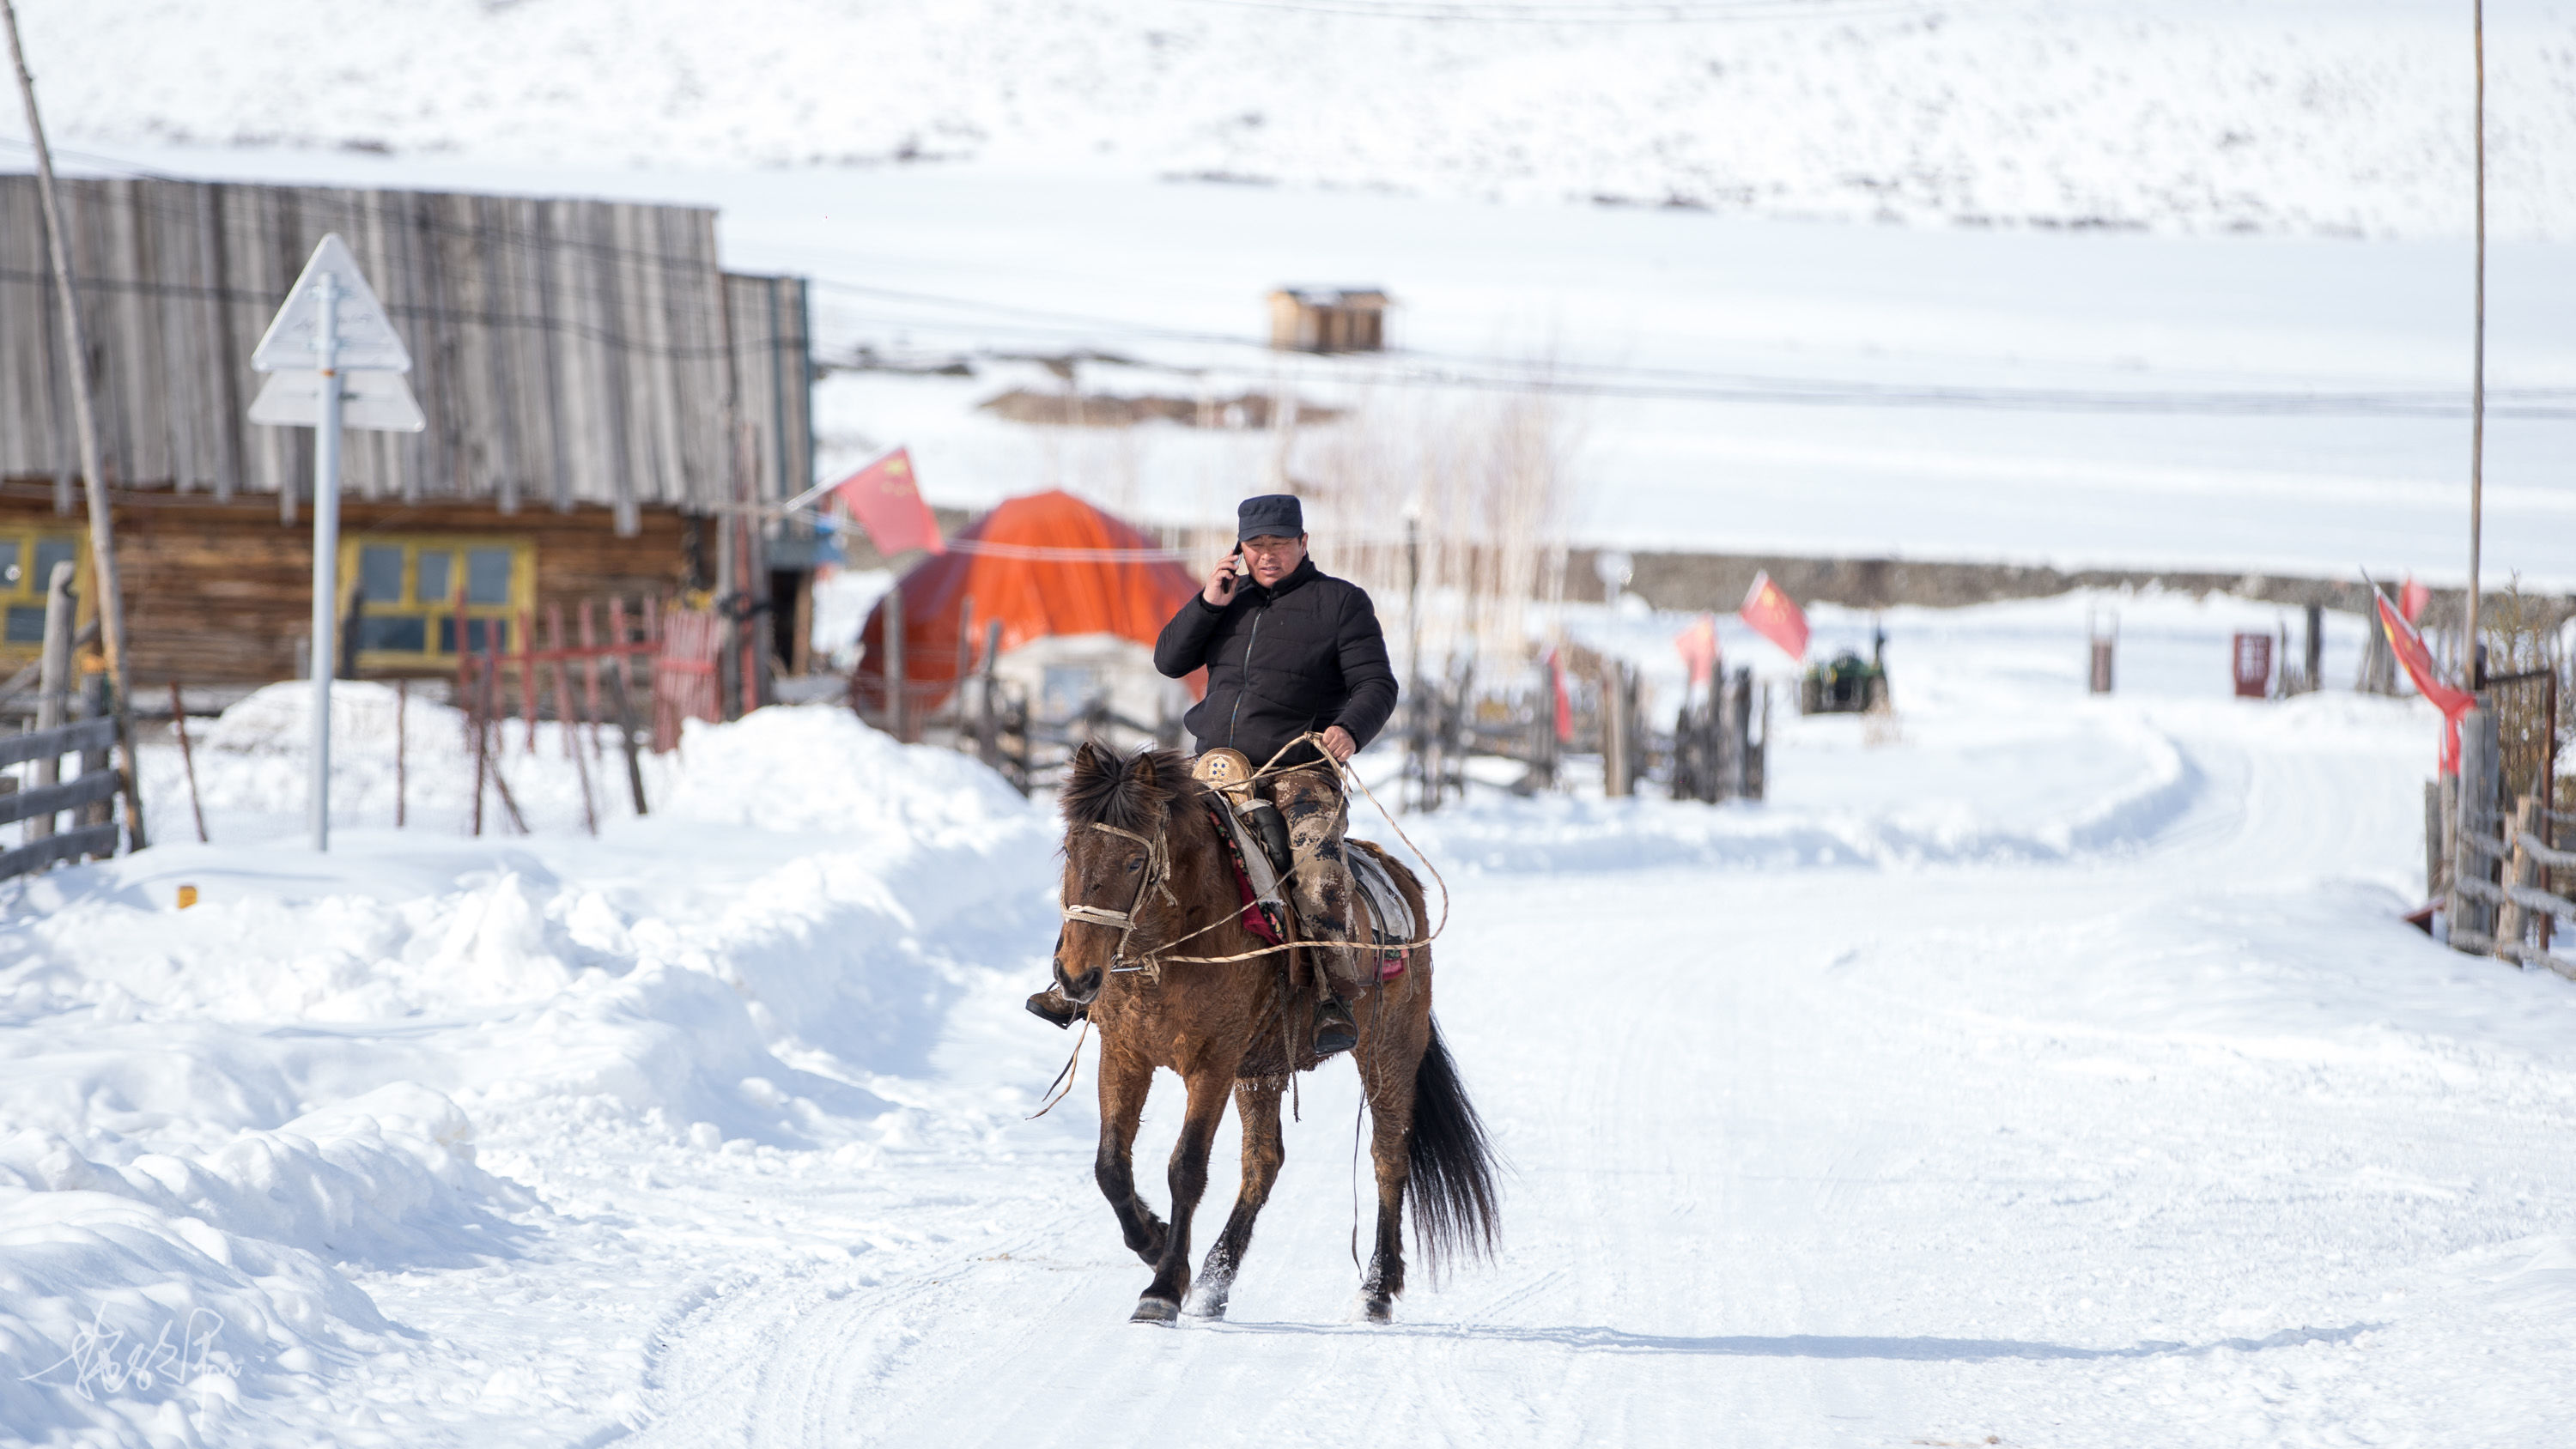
x=2342 y=117
x=2057 y=1072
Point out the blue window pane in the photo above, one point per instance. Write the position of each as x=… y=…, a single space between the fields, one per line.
x=380 y=573
x=26 y=624
x=408 y=635
x=432 y=584
x=10 y=574
x=487 y=575
x=49 y=552
x=477 y=631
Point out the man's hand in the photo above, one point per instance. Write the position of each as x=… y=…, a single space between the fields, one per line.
x=1339 y=744
x=1221 y=581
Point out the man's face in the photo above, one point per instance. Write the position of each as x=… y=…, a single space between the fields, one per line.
x=1270 y=558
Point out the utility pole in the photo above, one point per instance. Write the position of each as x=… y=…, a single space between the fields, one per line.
x=102 y=523
x=2469 y=670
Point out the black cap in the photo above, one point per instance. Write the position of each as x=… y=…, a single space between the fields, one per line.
x=1273 y=515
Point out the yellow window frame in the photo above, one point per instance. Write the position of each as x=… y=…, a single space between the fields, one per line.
x=26 y=591
x=432 y=613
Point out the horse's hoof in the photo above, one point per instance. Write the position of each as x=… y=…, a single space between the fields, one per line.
x=1210 y=1306
x=1150 y=1309
x=1378 y=1309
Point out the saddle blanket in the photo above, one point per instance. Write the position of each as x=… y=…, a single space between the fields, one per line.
x=1391 y=920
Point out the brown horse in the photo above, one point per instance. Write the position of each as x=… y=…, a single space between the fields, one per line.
x=1144 y=868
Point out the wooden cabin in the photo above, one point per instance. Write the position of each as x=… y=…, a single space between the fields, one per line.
x=602 y=398
x=1328 y=319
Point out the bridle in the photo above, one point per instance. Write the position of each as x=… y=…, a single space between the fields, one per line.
x=1158 y=877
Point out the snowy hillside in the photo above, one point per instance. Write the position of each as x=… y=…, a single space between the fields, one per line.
x=2299 y=116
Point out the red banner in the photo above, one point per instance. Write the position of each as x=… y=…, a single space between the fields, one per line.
x=2409 y=648
x=1770 y=612
x=1564 y=700
x=1698 y=646
x=2412 y=599
x=885 y=500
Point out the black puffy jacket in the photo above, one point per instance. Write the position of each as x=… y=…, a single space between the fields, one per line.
x=1303 y=655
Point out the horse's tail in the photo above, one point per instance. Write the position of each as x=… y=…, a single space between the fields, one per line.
x=1455 y=1206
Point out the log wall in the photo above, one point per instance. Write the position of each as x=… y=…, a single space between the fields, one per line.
x=218 y=592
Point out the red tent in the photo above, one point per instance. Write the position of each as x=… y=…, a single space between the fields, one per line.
x=1045 y=564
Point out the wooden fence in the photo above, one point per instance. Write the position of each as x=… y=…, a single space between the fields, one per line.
x=91 y=787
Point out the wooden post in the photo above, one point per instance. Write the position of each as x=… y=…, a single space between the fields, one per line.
x=478 y=691
x=965 y=660
x=492 y=725
x=564 y=719
x=2513 y=922
x=188 y=758
x=590 y=678
x=1614 y=729
x=53 y=684
x=2475 y=819
x=528 y=676
x=988 y=739
x=895 y=679
x=626 y=733
x=2316 y=656
x=402 y=722
x=76 y=363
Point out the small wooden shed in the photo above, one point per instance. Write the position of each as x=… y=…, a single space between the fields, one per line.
x=600 y=396
x=1328 y=319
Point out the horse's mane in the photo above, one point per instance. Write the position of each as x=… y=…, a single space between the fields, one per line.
x=1104 y=789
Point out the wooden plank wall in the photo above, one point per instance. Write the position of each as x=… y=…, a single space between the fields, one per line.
x=567 y=353
x=218 y=592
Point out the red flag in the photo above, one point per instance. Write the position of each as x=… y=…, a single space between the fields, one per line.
x=2410 y=651
x=1771 y=613
x=1698 y=646
x=2412 y=599
x=884 y=499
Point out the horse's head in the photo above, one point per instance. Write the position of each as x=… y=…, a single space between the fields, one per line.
x=1116 y=814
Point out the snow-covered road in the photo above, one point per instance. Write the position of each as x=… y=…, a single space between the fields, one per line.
x=2188 y=1142
x=2120 y=1112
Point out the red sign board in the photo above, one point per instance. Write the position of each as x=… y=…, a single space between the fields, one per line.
x=2253 y=666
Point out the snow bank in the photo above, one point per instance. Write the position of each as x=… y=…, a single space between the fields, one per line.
x=222 y=1121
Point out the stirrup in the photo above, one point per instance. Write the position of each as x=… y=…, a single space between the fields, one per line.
x=1050 y=1006
x=1335 y=1031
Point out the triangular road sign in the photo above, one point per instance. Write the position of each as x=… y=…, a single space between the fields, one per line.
x=377 y=399
x=367 y=339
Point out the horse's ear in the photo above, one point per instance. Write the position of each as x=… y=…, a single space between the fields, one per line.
x=1087 y=761
x=1142 y=772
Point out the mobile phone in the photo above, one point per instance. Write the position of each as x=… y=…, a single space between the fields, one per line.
x=1234 y=569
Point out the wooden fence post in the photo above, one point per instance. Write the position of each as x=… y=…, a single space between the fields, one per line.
x=1615 y=780
x=626 y=732
x=53 y=686
x=988 y=739
x=2513 y=919
x=188 y=760
x=402 y=743
x=895 y=679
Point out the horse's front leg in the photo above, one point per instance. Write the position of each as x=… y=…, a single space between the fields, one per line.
x=1264 y=1149
x=1125 y=1078
x=1208 y=1090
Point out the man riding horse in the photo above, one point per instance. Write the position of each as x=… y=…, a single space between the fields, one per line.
x=1289 y=650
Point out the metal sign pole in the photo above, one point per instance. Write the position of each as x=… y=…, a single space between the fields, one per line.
x=326 y=554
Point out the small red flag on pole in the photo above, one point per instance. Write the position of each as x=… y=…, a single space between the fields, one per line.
x=1770 y=612
x=2409 y=648
x=2412 y=599
x=886 y=501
